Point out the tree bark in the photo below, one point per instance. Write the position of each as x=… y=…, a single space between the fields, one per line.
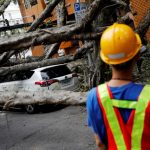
x=61 y=14
x=4 y=6
x=61 y=21
x=120 y=2
x=8 y=70
x=30 y=66
x=5 y=57
x=144 y=25
x=39 y=37
x=10 y=99
x=36 y=38
x=52 y=49
x=23 y=61
x=83 y=50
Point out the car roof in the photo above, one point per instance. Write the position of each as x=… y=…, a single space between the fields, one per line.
x=42 y=68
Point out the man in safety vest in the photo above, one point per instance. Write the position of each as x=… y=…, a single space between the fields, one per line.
x=119 y=110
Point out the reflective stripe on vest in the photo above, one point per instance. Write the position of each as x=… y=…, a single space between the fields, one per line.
x=138 y=125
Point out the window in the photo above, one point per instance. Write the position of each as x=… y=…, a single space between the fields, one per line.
x=55 y=72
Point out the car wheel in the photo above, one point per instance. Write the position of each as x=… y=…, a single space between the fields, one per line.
x=30 y=109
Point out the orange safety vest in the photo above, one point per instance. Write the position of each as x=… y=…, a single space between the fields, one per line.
x=133 y=135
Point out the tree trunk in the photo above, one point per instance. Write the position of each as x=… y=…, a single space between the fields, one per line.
x=51 y=50
x=61 y=21
x=10 y=99
x=5 y=57
x=30 y=66
x=8 y=70
x=38 y=38
x=61 y=14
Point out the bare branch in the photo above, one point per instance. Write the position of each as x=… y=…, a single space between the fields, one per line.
x=36 y=38
x=44 y=14
x=144 y=25
x=5 y=70
x=39 y=37
x=126 y=18
x=28 y=66
x=52 y=50
x=4 y=6
x=119 y=2
x=5 y=57
x=81 y=51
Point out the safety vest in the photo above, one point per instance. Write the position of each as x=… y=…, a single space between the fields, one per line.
x=133 y=135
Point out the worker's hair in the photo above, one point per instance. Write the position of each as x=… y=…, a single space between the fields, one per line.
x=124 y=66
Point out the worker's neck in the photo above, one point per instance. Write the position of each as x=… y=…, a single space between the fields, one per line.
x=120 y=77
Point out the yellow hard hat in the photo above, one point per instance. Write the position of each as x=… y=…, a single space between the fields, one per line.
x=119 y=43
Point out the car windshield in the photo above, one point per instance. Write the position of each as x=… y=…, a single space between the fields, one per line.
x=55 y=72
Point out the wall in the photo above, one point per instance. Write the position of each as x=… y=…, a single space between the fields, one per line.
x=28 y=11
x=140 y=7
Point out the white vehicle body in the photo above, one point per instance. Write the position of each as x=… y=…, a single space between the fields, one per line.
x=39 y=79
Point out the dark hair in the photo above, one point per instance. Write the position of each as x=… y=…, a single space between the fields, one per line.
x=124 y=66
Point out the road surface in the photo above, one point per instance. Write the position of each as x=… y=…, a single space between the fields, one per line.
x=64 y=129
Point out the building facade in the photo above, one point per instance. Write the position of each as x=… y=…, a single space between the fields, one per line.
x=140 y=7
x=31 y=9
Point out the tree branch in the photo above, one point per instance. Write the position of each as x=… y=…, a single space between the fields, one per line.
x=144 y=25
x=5 y=70
x=44 y=14
x=40 y=37
x=4 y=6
x=37 y=38
x=52 y=50
x=120 y=2
x=30 y=66
x=5 y=57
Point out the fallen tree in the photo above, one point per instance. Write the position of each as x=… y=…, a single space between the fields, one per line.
x=58 y=97
x=34 y=39
x=90 y=51
x=46 y=62
x=37 y=38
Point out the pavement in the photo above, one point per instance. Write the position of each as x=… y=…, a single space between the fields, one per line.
x=64 y=129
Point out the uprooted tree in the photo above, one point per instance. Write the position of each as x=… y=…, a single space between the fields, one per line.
x=99 y=15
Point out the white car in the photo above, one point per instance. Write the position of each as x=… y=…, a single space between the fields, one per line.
x=57 y=77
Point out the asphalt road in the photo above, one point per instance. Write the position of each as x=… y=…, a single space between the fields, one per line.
x=64 y=129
